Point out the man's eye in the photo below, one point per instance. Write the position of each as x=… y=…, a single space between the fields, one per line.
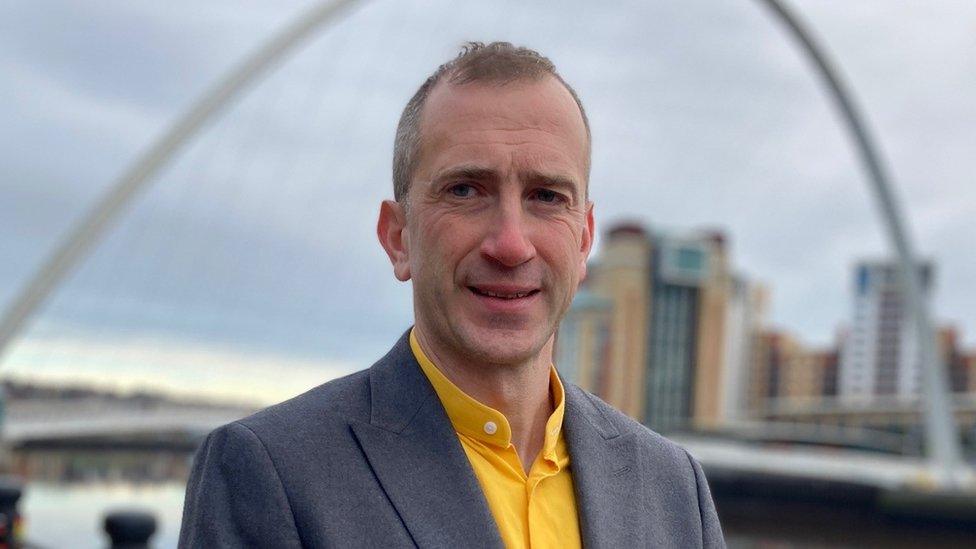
x=549 y=196
x=462 y=190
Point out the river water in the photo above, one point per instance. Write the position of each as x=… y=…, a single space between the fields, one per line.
x=60 y=515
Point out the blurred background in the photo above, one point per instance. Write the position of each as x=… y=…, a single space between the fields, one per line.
x=744 y=297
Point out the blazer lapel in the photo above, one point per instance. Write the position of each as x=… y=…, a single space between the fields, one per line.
x=604 y=476
x=413 y=449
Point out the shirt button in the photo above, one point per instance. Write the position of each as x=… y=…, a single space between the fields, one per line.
x=491 y=428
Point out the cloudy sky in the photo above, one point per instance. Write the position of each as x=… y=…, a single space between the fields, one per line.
x=250 y=269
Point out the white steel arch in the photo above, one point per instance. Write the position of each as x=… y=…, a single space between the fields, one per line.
x=943 y=443
x=140 y=174
x=942 y=440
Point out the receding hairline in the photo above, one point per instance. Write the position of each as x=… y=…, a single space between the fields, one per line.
x=497 y=64
x=447 y=82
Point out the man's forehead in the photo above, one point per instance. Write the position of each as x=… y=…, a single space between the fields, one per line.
x=542 y=101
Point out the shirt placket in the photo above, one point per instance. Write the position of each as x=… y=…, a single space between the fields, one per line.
x=541 y=470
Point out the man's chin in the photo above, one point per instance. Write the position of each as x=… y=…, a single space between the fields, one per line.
x=499 y=346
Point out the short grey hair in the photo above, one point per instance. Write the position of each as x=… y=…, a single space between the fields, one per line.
x=497 y=63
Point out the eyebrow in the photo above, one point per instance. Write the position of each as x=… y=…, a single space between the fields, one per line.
x=468 y=171
x=554 y=181
x=475 y=172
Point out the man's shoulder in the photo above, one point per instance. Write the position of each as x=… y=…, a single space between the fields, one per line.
x=643 y=466
x=646 y=441
x=332 y=405
x=326 y=413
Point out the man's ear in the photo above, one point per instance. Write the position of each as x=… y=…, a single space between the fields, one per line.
x=586 y=243
x=391 y=228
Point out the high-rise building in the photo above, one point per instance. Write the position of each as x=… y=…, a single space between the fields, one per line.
x=948 y=351
x=682 y=267
x=711 y=369
x=621 y=277
x=744 y=317
x=962 y=377
x=830 y=366
x=773 y=351
x=808 y=375
x=880 y=354
x=969 y=363
x=788 y=374
x=664 y=302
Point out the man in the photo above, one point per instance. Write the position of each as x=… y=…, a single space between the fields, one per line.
x=463 y=435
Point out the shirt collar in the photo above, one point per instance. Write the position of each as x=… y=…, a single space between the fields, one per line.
x=484 y=423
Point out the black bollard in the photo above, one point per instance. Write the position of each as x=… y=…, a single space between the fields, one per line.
x=11 y=488
x=130 y=529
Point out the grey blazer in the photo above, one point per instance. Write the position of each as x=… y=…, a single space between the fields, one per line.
x=371 y=460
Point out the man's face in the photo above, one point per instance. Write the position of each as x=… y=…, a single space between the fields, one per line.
x=498 y=227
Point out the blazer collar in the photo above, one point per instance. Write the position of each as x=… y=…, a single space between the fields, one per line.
x=604 y=473
x=415 y=453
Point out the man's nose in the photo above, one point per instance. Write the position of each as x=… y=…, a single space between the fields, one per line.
x=507 y=241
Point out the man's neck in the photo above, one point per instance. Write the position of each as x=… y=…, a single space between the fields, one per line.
x=520 y=392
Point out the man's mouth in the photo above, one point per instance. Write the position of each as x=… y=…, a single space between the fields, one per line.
x=502 y=294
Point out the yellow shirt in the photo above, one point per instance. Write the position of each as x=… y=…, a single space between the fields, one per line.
x=535 y=510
